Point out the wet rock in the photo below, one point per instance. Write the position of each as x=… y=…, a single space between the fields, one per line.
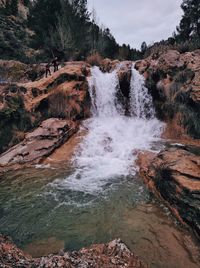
x=114 y=254
x=174 y=82
x=11 y=256
x=108 y=65
x=173 y=175
x=40 y=143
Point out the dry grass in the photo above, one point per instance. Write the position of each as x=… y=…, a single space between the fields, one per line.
x=61 y=105
x=57 y=104
x=94 y=59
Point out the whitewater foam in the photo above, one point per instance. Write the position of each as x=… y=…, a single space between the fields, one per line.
x=107 y=153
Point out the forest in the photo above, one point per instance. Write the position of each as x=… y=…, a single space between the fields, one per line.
x=67 y=29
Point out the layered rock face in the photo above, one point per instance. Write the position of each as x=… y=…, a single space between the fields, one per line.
x=111 y=255
x=173 y=176
x=40 y=143
x=23 y=106
x=174 y=82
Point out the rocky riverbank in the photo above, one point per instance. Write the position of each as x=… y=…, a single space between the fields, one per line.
x=39 y=120
x=174 y=82
x=173 y=175
x=33 y=113
x=114 y=254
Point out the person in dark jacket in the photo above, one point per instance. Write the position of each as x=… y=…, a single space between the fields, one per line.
x=55 y=64
x=47 y=69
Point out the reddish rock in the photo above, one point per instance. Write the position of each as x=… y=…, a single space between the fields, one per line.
x=40 y=143
x=173 y=175
x=63 y=95
x=108 y=65
x=174 y=82
x=112 y=255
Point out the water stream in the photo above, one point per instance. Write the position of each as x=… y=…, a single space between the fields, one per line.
x=107 y=154
x=98 y=197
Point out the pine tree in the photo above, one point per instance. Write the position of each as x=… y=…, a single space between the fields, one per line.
x=143 y=47
x=14 y=7
x=11 y=7
x=190 y=22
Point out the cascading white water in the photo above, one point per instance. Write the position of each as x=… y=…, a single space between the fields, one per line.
x=104 y=101
x=141 y=102
x=107 y=153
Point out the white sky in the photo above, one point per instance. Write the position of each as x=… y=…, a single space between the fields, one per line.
x=134 y=21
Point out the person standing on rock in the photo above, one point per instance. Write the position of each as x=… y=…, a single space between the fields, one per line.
x=55 y=64
x=47 y=69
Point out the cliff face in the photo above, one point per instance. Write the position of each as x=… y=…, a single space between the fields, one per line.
x=23 y=106
x=174 y=82
x=173 y=175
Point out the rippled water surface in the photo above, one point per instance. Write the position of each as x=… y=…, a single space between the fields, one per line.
x=98 y=196
x=42 y=220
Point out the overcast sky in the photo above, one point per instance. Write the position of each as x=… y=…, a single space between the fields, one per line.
x=134 y=21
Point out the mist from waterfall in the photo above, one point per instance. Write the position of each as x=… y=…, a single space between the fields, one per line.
x=108 y=152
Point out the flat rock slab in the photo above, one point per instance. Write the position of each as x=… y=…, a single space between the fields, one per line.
x=112 y=255
x=174 y=176
x=40 y=143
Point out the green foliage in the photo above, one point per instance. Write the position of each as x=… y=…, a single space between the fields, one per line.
x=184 y=76
x=14 y=39
x=143 y=47
x=190 y=22
x=12 y=117
x=64 y=28
x=11 y=7
x=191 y=121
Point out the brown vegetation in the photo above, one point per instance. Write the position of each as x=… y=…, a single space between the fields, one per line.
x=94 y=59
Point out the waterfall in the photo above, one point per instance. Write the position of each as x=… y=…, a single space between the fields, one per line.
x=107 y=153
x=103 y=88
x=141 y=102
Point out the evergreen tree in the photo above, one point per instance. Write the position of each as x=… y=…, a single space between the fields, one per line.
x=14 y=7
x=65 y=27
x=11 y=7
x=143 y=47
x=190 y=22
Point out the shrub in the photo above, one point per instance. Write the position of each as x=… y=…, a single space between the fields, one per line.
x=184 y=76
x=191 y=121
x=57 y=104
x=94 y=59
x=13 y=117
x=174 y=88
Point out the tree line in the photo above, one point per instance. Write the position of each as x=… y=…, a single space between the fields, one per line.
x=66 y=28
x=186 y=37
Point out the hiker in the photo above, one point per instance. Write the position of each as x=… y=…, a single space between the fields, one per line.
x=47 y=69
x=55 y=64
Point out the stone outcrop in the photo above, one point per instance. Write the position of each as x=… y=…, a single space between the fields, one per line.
x=173 y=175
x=112 y=255
x=174 y=82
x=40 y=143
x=25 y=105
x=108 y=65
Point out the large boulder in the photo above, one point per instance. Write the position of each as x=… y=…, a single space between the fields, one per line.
x=112 y=255
x=40 y=143
x=173 y=175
